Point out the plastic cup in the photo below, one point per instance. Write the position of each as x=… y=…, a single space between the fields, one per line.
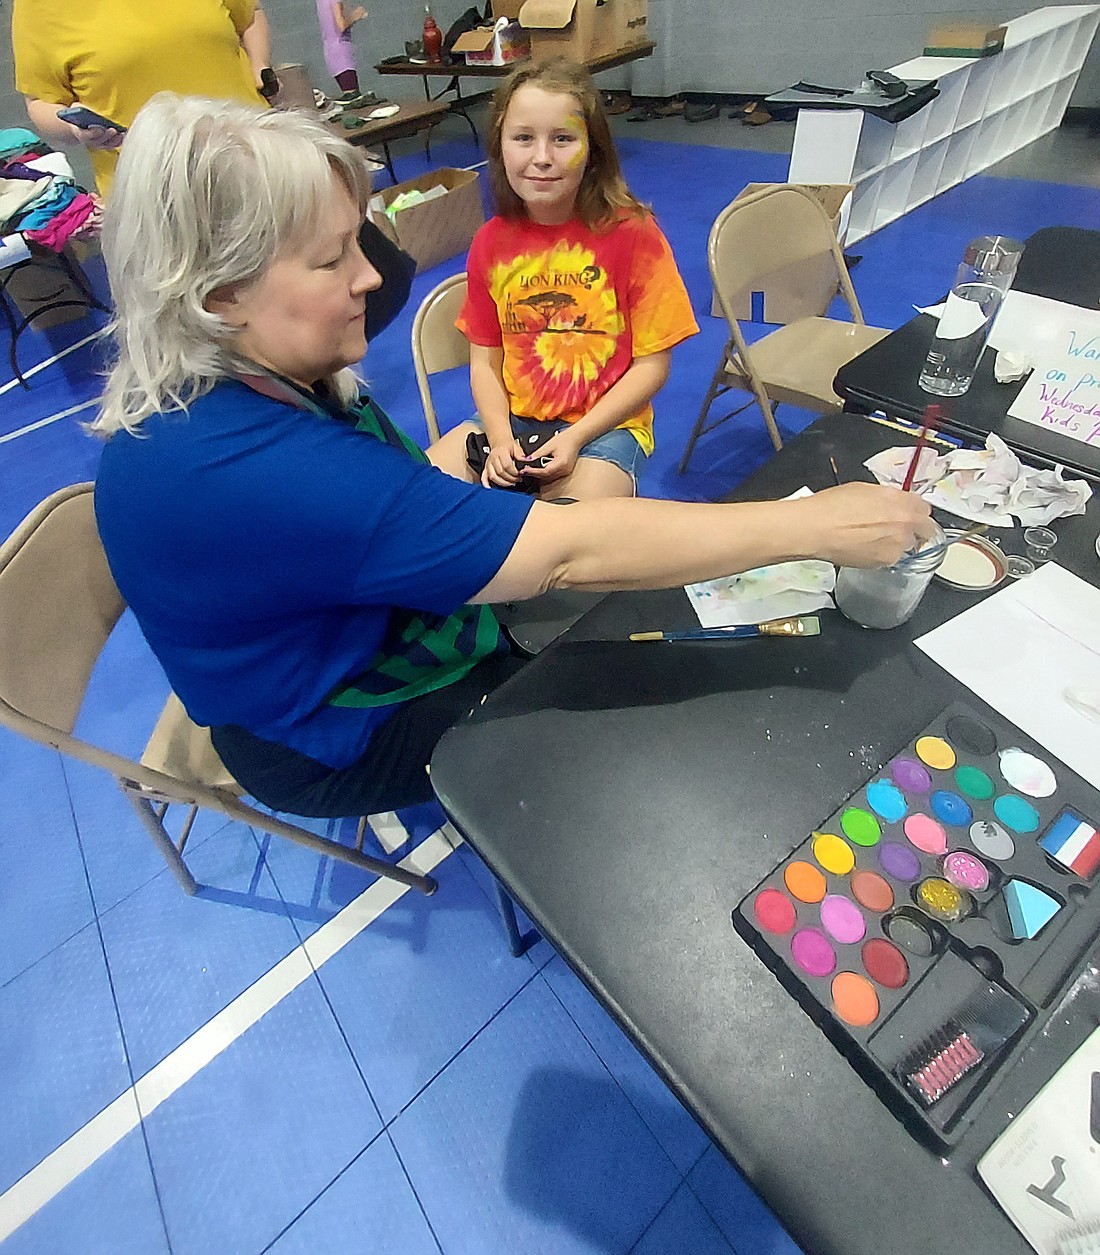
x=1040 y=541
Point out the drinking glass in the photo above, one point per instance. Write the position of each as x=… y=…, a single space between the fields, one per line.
x=984 y=276
x=885 y=597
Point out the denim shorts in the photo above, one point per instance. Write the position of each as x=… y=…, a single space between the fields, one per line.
x=619 y=446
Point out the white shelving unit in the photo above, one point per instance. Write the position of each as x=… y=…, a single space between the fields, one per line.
x=987 y=108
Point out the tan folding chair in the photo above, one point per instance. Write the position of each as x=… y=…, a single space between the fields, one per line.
x=58 y=606
x=780 y=226
x=437 y=344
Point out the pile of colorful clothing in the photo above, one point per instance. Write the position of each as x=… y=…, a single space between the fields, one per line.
x=39 y=197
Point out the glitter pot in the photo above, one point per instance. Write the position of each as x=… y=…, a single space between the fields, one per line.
x=965 y=871
x=942 y=900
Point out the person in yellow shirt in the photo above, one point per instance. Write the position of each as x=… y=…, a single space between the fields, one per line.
x=112 y=56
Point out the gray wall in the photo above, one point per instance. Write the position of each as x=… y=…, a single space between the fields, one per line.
x=703 y=45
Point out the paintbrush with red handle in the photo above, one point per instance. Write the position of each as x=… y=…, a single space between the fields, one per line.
x=932 y=414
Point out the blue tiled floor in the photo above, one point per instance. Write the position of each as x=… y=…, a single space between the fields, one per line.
x=421 y=1091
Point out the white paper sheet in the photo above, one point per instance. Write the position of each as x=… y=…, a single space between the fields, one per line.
x=782 y=591
x=1063 y=392
x=1025 y=323
x=1032 y=651
x=1044 y=1168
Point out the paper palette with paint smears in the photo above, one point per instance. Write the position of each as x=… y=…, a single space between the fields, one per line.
x=930 y=922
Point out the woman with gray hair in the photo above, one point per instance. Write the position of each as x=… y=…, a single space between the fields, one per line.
x=317 y=588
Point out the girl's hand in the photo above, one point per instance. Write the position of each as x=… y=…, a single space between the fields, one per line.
x=500 y=466
x=105 y=137
x=561 y=450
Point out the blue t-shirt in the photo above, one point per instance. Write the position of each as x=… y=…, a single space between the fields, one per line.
x=262 y=547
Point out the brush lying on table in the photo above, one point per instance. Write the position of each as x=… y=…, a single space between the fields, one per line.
x=808 y=625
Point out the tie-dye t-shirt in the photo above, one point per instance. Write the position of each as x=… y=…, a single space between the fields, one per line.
x=572 y=308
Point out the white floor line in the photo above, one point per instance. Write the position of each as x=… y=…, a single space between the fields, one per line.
x=45 y=422
x=27 y=374
x=47 y=1179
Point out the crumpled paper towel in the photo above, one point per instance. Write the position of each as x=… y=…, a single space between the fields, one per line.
x=987 y=485
x=1010 y=366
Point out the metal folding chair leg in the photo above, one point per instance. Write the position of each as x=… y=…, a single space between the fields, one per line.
x=233 y=809
x=519 y=943
x=716 y=389
x=154 y=826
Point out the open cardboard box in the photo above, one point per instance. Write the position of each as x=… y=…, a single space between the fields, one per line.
x=439 y=228
x=799 y=290
x=577 y=29
x=500 y=44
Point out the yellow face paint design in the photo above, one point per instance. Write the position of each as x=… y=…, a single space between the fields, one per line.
x=577 y=129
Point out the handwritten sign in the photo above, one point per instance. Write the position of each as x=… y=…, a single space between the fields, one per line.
x=1063 y=391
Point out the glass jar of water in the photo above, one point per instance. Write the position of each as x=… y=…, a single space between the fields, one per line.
x=985 y=275
x=885 y=597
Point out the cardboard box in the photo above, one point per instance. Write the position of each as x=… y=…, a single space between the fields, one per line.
x=501 y=44
x=965 y=39
x=630 y=22
x=575 y=29
x=796 y=291
x=439 y=228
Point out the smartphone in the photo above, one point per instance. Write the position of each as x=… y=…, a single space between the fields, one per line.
x=477 y=454
x=531 y=441
x=77 y=115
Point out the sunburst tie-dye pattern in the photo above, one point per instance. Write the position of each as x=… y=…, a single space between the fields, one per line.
x=571 y=309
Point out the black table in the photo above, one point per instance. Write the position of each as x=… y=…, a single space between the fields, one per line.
x=641 y=790
x=1061 y=263
x=408 y=120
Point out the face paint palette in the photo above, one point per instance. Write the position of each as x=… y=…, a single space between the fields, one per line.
x=931 y=921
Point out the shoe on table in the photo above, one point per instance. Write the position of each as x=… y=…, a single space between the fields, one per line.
x=356 y=100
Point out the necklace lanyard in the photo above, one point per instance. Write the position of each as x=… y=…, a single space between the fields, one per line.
x=364 y=415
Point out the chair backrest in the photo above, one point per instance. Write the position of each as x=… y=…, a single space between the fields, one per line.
x=437 y=344
x=58 y=605
x=780 y=226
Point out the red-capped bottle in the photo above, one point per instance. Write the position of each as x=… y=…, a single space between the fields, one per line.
x=433 y=37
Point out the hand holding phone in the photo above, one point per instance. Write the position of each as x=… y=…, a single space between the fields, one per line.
x=102 y=132
x=530 y=442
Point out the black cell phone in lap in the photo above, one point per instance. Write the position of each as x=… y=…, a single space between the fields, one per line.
x=477 y=454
